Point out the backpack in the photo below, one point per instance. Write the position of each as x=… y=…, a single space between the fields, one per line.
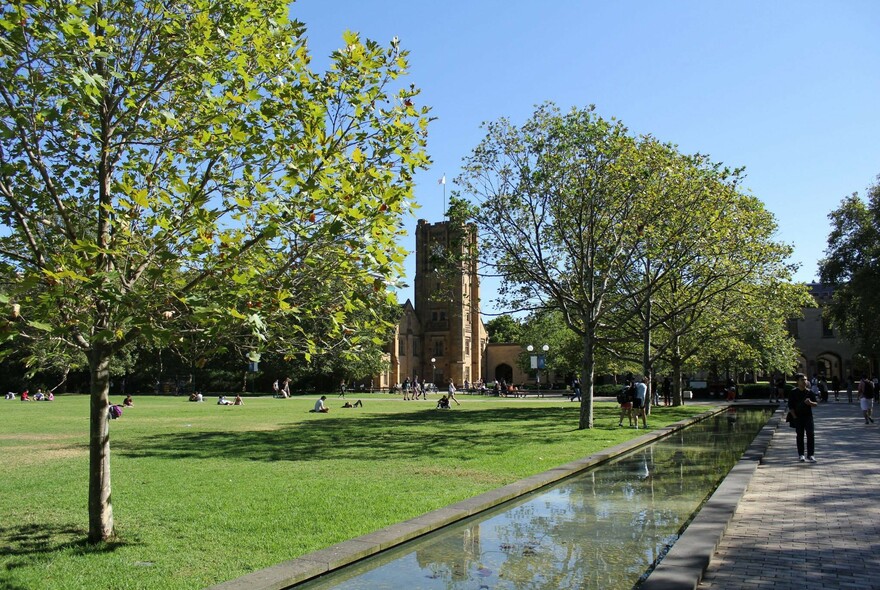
x=115 y=412
x=621 y=397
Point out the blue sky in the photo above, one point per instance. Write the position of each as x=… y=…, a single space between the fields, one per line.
x=788 y=89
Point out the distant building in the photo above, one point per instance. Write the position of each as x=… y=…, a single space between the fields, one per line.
x=441 y=337
x=823 y=352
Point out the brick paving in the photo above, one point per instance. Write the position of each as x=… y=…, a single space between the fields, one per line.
x=802 y=525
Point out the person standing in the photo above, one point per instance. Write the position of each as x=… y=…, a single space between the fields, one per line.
x=342 y=388
x=639 y=402
x=667 y=391
x=801 y=402
x=624 y=398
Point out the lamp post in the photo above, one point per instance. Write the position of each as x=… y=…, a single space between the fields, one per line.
x=433 y=371
x=538 y=361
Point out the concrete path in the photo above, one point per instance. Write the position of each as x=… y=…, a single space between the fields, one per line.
x=801 y=525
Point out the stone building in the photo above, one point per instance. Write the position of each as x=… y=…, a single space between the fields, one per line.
x=823 y=352
x=442 y=336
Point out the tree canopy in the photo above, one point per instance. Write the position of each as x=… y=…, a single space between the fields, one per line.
x=176 y=171
x=852 y=266
x=580 y=216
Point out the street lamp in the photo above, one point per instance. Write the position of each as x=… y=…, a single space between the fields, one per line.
x=433 y=371
x=538 y=361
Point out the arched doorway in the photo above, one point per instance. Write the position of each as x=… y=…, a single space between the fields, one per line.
x=829 y=365
x=504 y=372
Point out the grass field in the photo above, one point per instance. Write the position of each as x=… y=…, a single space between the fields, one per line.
x=205 y=493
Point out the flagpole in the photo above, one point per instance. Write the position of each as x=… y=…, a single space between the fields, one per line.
x=443 y=182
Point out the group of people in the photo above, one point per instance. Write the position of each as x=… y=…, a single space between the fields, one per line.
x=808 y=393
x=632 y=402
x=281 y=390
x=39 y=396
x=322 y=408
x=414 y=389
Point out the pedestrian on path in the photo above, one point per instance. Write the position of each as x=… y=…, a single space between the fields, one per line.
x=801 y=402
x=866 y=399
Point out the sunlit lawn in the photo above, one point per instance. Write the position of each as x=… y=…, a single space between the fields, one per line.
x=205 y=493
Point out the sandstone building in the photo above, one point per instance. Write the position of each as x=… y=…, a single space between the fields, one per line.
x=441 y=337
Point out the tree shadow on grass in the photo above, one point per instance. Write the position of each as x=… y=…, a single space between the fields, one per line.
x=371 y=437
x=27 y=545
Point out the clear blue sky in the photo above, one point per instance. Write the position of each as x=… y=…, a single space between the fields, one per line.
x=790 y=89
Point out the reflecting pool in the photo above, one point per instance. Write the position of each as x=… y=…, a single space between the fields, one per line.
x=604 y=528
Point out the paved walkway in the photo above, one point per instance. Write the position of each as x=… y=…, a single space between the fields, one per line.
x=802 y=526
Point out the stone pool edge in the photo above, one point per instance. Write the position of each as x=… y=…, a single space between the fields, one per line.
x=312 y=565
x=684 y=565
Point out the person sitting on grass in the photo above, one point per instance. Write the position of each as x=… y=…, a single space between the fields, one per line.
x=128 y=402
x=222 y=401
x=443 y=403
x=238 y=401
x=320 y=406
x=24 y=396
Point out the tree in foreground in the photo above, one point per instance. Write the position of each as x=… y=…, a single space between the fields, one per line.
x=175 y=171
x=852 y=266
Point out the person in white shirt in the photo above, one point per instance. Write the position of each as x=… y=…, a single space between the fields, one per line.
x=639 y=402
x=320 y=407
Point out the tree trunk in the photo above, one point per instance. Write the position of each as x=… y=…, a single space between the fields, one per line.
x=588 y=367
x=677 y=399
x=100 y=508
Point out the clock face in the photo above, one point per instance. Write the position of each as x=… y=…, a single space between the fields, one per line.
x=437 y=251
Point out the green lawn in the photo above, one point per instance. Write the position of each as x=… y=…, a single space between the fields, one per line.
x=205 y=493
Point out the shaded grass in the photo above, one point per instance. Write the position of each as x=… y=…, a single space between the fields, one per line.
x=204 y=493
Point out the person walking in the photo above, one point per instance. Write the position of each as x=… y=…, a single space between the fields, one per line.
x=575 y=390
x=866 y=399
x=801 y=402
x=451 y=394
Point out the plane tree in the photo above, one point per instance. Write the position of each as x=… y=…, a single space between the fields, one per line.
x=177 y=172
x=559 y=201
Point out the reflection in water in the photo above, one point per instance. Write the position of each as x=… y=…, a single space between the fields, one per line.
x=603 y=529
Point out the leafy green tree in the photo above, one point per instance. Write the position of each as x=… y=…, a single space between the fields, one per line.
x=624 y=236
x=852 y=266
x=175 y=172
x=505 y=328
x=561 y=201
x=710 y=275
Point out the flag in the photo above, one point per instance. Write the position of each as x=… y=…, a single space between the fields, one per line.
x=442 y=180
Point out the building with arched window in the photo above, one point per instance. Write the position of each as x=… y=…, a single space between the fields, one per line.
x=823 y=351
x=441 y=336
